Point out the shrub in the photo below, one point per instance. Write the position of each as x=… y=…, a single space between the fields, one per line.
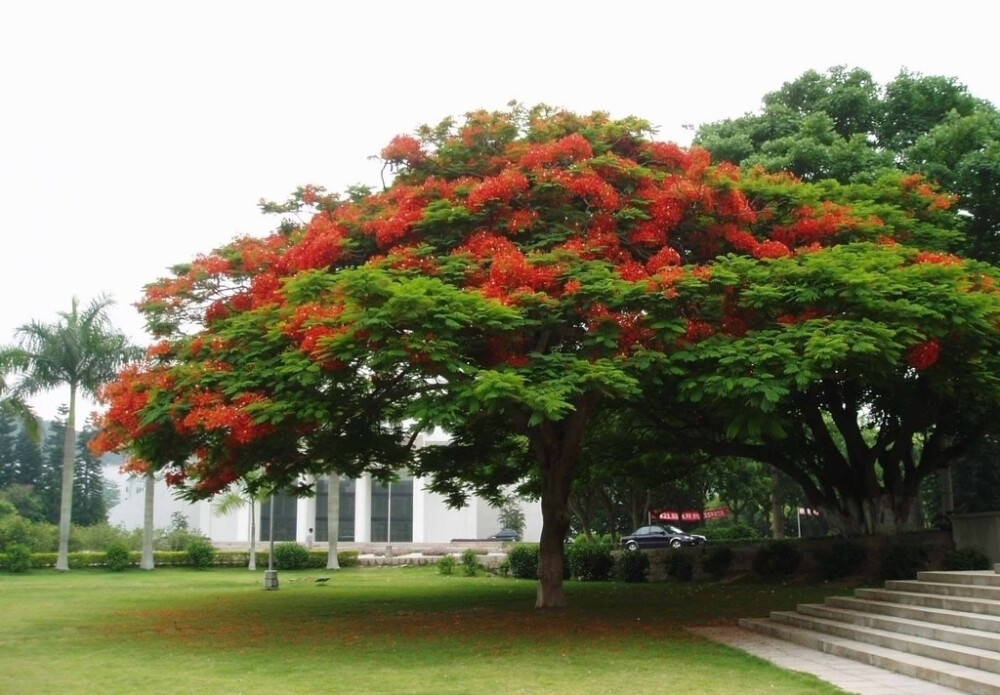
x=503 y=567
x=200 y=553
x=17 y=559
x=14 y=530
x=470 y=562
x=96 y=537
x=966 y=560
x=45 y=538
x=902 y=561
x=348 y=558
x=632 y=567
x=590 y=562
x=524 y=561
x=446 y=565
x=717 y=561
x=290 y=556
x=679 y=566
x=727 y=532
x=117 y=557
x=840 y=559
x=776 y=560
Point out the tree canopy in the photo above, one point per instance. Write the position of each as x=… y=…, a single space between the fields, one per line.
x=524 y=269
x=842 y=125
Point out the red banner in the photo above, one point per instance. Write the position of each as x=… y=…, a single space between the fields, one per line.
x=690 y=514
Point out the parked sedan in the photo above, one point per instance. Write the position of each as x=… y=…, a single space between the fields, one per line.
x=505 y=534
x=646 y=537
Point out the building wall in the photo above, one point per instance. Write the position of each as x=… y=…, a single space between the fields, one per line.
x=433 y=520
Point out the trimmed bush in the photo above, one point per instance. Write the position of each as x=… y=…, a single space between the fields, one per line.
x=200 y=553
x=524 y=561
x=590 y=562
x=776 y=560
x=117 y=557
x=470 y=562
x=841 y=559
x=17 y=559
x=902 y=561
x=632 y=567
x=727 y=532
x=290 y=556
x=966 y=560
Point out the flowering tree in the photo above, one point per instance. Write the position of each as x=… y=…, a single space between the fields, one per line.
x=523 y=269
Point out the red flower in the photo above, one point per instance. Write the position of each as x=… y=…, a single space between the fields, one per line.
x=925 y=354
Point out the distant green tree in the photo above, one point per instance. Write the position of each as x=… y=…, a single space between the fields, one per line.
x=49 y=481
x=80 y=350
x=89 y=507
x=842 y=125
x=8 y=459
x=27 y=461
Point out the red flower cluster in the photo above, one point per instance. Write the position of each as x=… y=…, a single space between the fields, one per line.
x=498 y=189
x=567 y=150
x=937 y=258
x=404 y=149
x=924 y=355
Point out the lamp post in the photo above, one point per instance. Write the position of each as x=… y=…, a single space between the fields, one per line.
x=271 y=574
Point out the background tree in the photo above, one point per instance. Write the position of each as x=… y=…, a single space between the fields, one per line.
x=842 y=125
x=82 y=351
x=49 y=482
x=526 y=269
x=9 y=473
x=88 y=483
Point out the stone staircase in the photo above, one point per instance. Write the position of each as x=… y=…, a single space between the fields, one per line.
x=943 y=627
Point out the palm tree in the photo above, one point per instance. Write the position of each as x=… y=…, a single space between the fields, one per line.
x=13 y=406
x=81 y=350
x=248 y=492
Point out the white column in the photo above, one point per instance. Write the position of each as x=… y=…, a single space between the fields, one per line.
x=419 y=511
x=363 y=510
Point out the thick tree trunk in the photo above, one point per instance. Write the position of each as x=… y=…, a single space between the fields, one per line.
x=878 y=516
x=66 y=501
x=146 y=562
x=333 y=521
x=556 y=480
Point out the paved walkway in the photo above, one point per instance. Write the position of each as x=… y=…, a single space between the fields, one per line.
x=850 y=675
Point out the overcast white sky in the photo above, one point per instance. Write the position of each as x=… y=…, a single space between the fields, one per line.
x=135 y=135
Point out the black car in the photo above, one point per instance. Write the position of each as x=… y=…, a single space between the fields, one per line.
x=505 y=534
x=659 y=537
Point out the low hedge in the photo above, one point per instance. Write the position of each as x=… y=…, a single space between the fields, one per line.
x=181 y=558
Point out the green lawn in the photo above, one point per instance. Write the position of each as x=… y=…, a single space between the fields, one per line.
x=377 y=630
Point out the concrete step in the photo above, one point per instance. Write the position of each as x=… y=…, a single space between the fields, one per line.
x=969 y=657
x=959 y=677
x=986 y=593
x=952 y=603
x=978 y=578
x=957 y=635
x=941 y=616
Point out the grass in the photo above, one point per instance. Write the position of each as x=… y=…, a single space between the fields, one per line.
x=377 y=630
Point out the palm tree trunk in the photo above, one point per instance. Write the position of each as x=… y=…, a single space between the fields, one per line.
x=333 y=521
x=146 y=562
x=66 y=503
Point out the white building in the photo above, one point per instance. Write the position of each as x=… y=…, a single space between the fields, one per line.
x=370 y=512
